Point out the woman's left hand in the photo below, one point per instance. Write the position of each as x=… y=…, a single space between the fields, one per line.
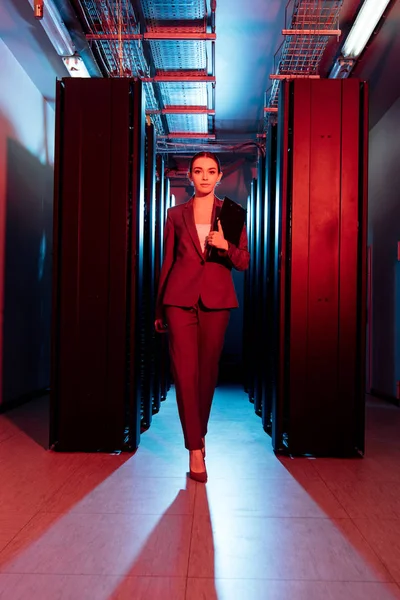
x=216 y=238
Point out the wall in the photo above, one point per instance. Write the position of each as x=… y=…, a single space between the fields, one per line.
x=26 y=199
x=384 y=235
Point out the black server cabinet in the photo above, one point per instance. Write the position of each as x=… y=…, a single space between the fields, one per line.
x=161 y=354
x=320 y=268
x=257 y=259
x=98 y=265
x=268 y=324
x=158 y=248
x=148 y=332
x=165 y=371
x=249 y=299
x=253 y=309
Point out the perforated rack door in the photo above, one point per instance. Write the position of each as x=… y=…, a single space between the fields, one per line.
x=321 y=274
x=97 y=264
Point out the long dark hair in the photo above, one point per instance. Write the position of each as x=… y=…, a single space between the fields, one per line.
x=211 y=155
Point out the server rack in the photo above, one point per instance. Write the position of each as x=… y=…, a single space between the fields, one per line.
x=97 y=265
x=268 y=323
x=320 y=268
x=249 y=299
x=257 y=258
x=165 y=363
x=158 y=252
x=148 y=331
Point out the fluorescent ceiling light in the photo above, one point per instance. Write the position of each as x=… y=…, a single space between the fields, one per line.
x=367 y=19
x=75 y=65
x=56 y=30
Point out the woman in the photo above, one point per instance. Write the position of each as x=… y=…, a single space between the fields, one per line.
x=195 y=295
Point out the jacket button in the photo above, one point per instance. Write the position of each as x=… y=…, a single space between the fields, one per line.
x=202 y=262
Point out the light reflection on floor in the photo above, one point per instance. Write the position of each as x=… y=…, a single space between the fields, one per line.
x=99 y=527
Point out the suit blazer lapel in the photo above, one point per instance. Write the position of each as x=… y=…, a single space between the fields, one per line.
x=188 y=217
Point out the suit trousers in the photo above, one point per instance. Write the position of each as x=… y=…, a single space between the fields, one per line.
x=196 y=338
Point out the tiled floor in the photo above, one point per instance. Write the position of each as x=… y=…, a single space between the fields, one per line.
x=99 y=527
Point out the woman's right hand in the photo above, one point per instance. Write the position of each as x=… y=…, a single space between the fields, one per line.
x=160 y=326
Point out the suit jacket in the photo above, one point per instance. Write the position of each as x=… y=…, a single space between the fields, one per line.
x=189 y=274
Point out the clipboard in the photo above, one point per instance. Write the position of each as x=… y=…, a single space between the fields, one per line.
x=232 y=217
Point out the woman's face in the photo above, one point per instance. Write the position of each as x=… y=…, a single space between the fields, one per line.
x=204 y=175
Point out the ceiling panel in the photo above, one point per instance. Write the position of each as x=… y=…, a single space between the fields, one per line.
x=173 y=10
x=185 y=122
x=184 y=94
x=179 y=54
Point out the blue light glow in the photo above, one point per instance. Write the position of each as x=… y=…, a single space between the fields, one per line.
x=42 y=256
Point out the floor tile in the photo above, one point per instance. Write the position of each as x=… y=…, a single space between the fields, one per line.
x=268 y=498
x=224 y=461
x=31 y=419
x=151 y=588
x=382 y=421
x=133 y=526
x=7 y=429
x=101 y=544
x=384 y=537
x=369 y=468
x=121 y=494
x=29 y=474
x=97 y=489
x=276 y=548
x=376 y=447
x=10 y=524
x=360 y=499
x=240 y=589
x=148 y=463
x=90 y=587
x=301 y=469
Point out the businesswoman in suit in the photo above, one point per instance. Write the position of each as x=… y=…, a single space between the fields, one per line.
x=195 y=295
